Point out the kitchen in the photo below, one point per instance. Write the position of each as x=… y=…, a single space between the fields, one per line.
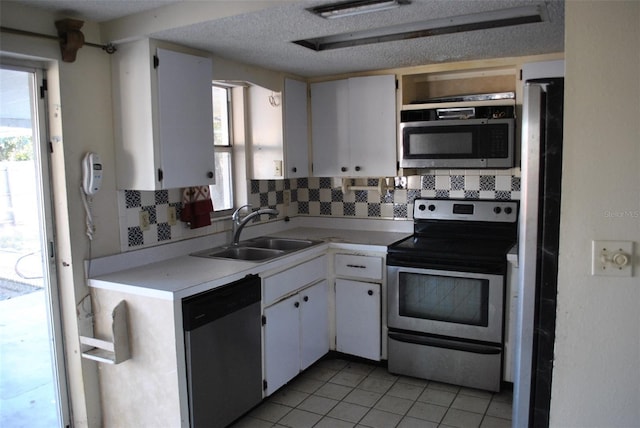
x=82 y=125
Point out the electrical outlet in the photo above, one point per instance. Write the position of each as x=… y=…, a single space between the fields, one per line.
x=286 y=198
x=172 y=218
x=145 y=222
x=612 y=258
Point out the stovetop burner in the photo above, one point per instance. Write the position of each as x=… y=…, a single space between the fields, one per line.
x=451 y=232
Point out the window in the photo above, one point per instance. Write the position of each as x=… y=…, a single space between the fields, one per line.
x=222 y=191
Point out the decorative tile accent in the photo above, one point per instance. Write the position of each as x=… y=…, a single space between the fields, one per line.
x=488 y=182
x=135 y=236
x=400 y=210
x=349 y=209
x=162 y=197
x=325 y=183
x=429 y=182
x=132 y=198
x=164 y=232
x=325 y=208
x=316 y=197
x=457 y=182
x=515 y=184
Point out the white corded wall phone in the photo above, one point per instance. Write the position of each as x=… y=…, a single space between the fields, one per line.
x=91 y=182
x=91 y=173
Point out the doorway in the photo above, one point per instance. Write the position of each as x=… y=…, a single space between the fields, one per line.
x=33 y=389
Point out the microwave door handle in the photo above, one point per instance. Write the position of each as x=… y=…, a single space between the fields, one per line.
x=475 y=348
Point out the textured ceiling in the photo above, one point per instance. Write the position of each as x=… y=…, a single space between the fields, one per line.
x=264 y=37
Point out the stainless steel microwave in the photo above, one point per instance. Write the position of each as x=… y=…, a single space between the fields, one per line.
x=458 y=143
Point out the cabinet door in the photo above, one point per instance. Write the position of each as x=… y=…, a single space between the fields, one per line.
x=266 y=153
x=185 y=119
x=296 y=126
x=330 y=128
x=281 y=343
x=358 y=318
x=372 y=126
x=314 y=322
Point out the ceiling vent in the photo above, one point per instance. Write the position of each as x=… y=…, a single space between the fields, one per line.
x=356 y=7
x=437 y=27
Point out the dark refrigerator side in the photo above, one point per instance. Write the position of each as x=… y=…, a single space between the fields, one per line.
x=538 y=249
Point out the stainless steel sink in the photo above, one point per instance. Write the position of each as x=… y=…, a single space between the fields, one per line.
x=240 y=253
x=284 y=244
x=258 y=249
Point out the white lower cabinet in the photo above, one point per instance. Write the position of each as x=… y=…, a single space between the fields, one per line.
x=358 y=318
x=359 y=284
x=296 y=334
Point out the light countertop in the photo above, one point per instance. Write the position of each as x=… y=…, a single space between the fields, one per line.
x=184 y=275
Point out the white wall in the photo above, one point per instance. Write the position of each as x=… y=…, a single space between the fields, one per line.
x=596 y=378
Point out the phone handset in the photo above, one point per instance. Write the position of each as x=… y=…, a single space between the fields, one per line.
x=91 y=182
x=91 y=173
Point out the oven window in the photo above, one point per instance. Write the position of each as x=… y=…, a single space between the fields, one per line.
x=444 y=298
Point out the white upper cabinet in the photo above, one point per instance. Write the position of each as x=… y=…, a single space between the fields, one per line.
x=163 y=117
x=296 y=129
x=279 y=140
x=353 y=127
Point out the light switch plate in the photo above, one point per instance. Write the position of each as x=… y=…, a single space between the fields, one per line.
x=145 y=221
x=612 y=258
x=171 y=215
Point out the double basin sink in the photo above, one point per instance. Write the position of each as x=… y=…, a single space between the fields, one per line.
x=258 y=249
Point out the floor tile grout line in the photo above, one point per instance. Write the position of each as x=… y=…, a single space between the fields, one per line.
x=397 y=379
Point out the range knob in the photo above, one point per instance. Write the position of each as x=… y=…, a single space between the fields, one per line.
x=508 y=210
x=432 y=207
x=422 y=207
x=497 y=210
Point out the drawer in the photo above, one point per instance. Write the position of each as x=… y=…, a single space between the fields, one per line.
x=292 y=279
x=358 y=266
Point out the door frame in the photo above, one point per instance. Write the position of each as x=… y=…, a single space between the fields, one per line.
x=42 y=161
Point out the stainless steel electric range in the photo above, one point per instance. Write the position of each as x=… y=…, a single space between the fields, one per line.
x=446 y=292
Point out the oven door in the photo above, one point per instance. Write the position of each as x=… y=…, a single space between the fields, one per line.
x=460 y=305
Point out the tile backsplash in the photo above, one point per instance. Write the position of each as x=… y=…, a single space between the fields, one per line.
x=314 y=196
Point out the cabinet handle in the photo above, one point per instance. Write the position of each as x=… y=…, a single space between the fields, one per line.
x=356 y=266
x=296 y=304
x=294 y=169
x=358 y=168
x=343 y=169
x=305 y=298
x=370 y=292
x=210 y=174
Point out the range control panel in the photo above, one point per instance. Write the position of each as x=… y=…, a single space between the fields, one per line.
x=465 y=210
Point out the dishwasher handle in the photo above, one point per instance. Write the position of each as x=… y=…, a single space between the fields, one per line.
x=211 y=305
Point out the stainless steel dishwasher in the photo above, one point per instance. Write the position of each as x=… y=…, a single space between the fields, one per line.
x=223 y=351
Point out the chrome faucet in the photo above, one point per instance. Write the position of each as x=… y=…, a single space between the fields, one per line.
x=239 y=224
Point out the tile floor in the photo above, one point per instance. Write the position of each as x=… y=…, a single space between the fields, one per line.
x=338 y=393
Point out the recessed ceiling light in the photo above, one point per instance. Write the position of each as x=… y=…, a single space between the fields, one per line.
x=356 y=7
x=456 y=24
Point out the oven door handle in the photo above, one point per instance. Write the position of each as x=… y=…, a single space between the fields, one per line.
x=475 y=348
